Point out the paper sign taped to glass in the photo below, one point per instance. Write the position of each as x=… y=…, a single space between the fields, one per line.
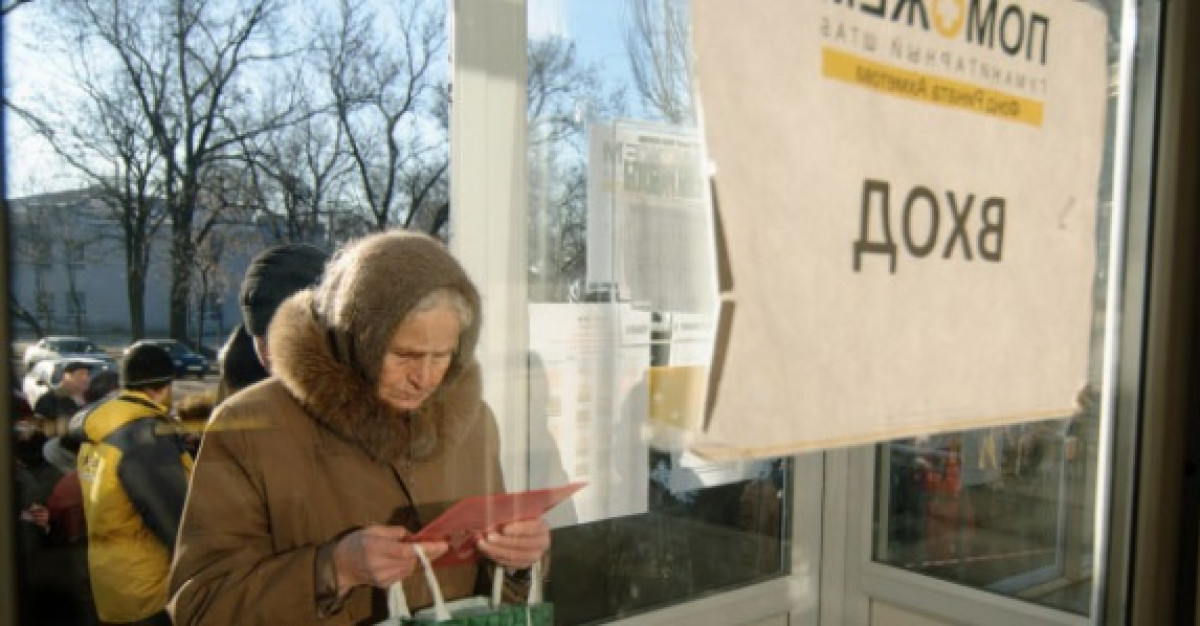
x=906 y=197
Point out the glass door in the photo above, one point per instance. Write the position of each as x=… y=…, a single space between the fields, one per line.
x=1022 y=512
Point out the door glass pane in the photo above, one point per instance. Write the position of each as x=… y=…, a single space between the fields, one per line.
x=1011 y=509
x=153 y=151
x=1005 y=509
x=620 y=294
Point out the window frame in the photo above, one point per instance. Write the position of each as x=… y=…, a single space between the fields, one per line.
x=837 y=559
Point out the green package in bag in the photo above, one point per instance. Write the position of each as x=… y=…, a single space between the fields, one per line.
x=486 y=615
x=473 y=611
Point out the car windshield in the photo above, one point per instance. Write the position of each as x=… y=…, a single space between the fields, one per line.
x=74 y=346
x=177 y=349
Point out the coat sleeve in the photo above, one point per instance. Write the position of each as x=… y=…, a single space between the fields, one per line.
x=47 y=405
x=154 y=477
x=226 y=570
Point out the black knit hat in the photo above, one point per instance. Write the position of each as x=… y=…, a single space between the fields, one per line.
x=74 y=365
x=146 y=365
x=275 y=274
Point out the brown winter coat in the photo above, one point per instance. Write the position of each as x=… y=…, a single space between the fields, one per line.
x=297 y=461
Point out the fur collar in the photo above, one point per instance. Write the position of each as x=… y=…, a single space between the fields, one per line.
x=338 y=398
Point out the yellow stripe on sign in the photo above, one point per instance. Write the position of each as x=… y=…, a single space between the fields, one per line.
x=929 y=88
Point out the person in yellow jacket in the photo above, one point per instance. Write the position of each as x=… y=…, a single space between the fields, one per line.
x=133 y=471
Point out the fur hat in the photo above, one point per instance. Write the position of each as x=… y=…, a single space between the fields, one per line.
x=373 y=283
x=328 y=345
x=272 y=276
x=146 y=365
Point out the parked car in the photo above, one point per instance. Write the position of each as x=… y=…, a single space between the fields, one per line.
x=187 y=361
x=64 y=347
x=48 y=373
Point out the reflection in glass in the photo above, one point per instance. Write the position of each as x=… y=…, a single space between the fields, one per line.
x=1011 y=509
x=1006 y=509
x=621 y=291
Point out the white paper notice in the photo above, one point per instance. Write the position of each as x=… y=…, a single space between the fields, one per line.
x=907 y=196
x=588 y=407
x=648 y=221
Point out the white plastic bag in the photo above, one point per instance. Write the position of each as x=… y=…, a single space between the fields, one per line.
x=442 y=611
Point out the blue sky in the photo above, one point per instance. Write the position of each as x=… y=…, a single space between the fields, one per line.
x=594 y=24
x=31 y=69
x=28 y=72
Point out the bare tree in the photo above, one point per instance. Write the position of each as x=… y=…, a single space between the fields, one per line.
x=105 y=139
x=564 y=94
x=384 y=81
x=32 y=244
x=296 y=172
x=560 y=88
x=428 y=185
x=658 y=43
x=20 y=313
x=190 y=64
x=428 y=193
x=11 y=6
x=211 y=279
x=60 y=227
x=79 y=241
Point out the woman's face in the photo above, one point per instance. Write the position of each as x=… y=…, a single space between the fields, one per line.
x=417 y=357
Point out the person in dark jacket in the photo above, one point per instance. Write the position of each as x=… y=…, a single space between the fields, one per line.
x=272 y=276
x=68 y=523
x=133 y=471
x=66 y=398
x=239 y=363
x=41 y=597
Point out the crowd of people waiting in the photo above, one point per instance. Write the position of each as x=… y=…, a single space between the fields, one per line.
x=56 y=567
x=286 y=495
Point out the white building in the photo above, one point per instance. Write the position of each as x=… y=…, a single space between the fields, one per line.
x=69 y=270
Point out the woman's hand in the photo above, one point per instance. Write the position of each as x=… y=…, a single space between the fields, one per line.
x=517 y=545
x=379 y=556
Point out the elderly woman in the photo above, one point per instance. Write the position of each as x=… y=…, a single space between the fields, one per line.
x=308 y=483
